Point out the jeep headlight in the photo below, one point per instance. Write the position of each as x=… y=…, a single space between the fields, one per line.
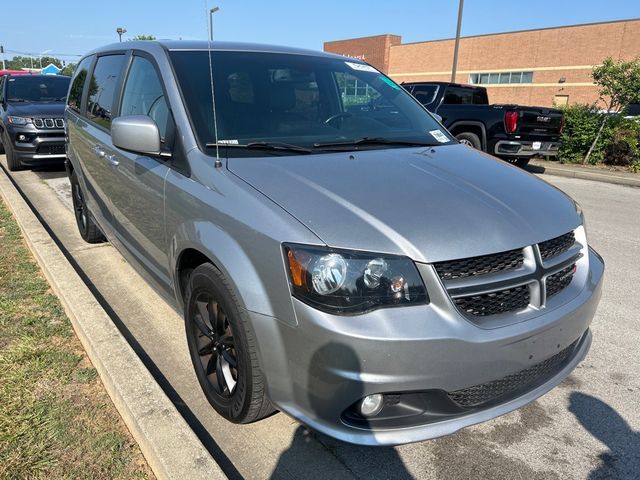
x=349 y=282
x=18 y=120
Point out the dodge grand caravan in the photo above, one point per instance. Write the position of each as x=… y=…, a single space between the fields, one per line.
x=335 y=252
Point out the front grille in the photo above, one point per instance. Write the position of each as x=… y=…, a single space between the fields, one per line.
x=54 y=149
x=559 y=281
x=512 y=384
x=48 y=122
x=508 y=300
x=557 y=245
x=469 y=267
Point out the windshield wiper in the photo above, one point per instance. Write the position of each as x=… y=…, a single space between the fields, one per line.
x=375 y=141
x=286 y=147
x=17 y=100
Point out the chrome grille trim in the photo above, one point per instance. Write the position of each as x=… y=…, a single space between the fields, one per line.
x=48 y=122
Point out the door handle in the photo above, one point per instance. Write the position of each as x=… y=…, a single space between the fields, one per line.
x=98 y=151
x=112 y=160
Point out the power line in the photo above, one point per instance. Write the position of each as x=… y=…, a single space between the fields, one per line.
x=48 y=54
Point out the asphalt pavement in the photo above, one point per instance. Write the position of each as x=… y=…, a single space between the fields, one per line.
x=588 y=427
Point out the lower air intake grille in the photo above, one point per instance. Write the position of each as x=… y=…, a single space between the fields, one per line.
x=512 y=384
x=516 y=298
x=559 y=281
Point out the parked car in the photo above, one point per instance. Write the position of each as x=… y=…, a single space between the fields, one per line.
x=32 y=119
x=511 y=132
x=335 y=252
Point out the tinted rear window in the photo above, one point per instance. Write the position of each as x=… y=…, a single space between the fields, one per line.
x=102 y=88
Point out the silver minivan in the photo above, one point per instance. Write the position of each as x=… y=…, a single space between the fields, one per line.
x=335 y=252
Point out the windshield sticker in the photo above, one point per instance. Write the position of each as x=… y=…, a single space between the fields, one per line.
x=389 y=82
x=439 y=136
x=227 y=142
x=362 y=67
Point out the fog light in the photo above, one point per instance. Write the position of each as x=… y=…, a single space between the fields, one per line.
x=22 y=138
x=371 y=405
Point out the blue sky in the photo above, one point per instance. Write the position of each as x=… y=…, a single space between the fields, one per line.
x=77 y=26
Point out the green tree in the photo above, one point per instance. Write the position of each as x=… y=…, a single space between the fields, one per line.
x=143 y=37
x=619 y=86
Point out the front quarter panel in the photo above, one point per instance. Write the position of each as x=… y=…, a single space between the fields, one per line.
x=238 y=229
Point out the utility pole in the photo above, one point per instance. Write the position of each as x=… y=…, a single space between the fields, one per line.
x=455 y=48
x=4 y=67
x=211 y=12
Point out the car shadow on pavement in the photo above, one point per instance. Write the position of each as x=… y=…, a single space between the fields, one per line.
x=326 y=383
x=535 y=169
x=622 y=461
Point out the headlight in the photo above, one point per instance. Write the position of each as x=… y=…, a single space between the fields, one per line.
x=18 y=120
x=347 y=282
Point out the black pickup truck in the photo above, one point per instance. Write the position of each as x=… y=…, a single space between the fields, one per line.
x=512 y=132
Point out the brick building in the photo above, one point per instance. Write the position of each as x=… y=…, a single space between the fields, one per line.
x=535 y=67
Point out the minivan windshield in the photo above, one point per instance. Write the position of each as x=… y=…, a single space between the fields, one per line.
x=26 y=88
x=291 y=103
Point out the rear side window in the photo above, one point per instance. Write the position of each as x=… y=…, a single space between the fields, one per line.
x=79 y=78
x=465 y=96
x=102 y=89
x=143 y=94
x=458 y=96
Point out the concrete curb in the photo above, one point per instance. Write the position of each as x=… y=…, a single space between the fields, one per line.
x=169 y=445
x=585 y=174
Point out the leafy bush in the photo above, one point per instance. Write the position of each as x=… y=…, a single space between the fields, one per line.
x=623 y=148
x=619 y=138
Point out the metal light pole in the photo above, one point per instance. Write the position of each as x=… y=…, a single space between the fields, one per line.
x=455 y=48
x=120 y=31
x=211 y=12
x=40 y=57
x=4 y=67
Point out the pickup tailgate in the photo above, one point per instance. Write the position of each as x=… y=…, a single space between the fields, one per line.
x=539 y=121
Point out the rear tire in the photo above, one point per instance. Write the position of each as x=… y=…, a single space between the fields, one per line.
x=470 y=139
x=223 y=349
x=89 y=231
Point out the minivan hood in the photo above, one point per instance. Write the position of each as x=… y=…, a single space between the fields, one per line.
x=431 y=204
x=36 y=109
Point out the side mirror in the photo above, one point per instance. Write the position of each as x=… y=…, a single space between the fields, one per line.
x=437 y=117
x=136 y=133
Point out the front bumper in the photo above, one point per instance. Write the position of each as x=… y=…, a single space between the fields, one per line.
x=317 y=370
x=526 y=149
x=37 y=147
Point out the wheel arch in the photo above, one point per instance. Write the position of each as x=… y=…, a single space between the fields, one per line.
x=227 y=256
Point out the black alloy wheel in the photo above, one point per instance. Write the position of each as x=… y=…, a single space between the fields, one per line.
x=223 y=348
x=88 y=229
x=216 y=348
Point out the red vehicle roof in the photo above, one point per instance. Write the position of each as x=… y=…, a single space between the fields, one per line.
x=14 y=72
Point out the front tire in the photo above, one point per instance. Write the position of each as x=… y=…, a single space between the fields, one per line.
x=470 y=139
x=88 y=229
x=223 y=349
x=13 y=163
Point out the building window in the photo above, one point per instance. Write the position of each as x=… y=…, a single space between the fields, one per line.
x=502 y=77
